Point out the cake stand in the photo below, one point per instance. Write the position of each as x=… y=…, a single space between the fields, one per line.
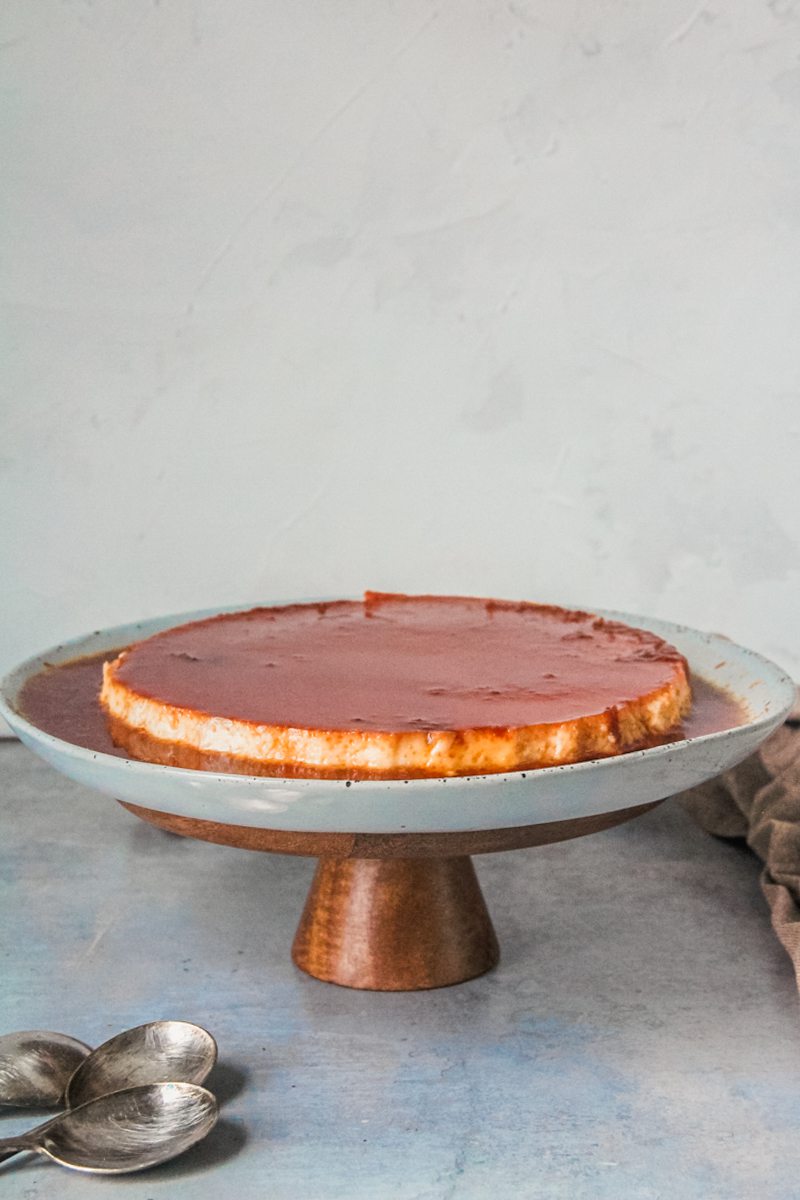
x=395 y=904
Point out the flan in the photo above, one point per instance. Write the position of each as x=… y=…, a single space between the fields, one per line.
x=394 y=686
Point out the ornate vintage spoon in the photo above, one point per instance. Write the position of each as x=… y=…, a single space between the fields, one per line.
x=126 y=1131
x=161 y=1050
x=35 y=1067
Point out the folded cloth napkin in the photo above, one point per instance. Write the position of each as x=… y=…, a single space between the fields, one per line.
x=760 y=801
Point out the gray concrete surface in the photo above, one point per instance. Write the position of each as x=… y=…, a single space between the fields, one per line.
x=639 y=1038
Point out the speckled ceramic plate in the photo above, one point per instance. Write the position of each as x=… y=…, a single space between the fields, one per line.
x=424 y=805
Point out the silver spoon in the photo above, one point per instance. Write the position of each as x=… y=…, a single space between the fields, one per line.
x=161 y=1050
x=35 y=1067
x=126 y=1131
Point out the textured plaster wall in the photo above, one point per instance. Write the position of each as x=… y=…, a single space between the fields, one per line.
x=490 y=297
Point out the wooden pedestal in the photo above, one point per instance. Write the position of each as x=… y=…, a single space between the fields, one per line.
x=395 y=924
x=392 y=912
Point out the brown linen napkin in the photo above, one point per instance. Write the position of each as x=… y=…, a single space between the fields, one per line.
x=760 y=801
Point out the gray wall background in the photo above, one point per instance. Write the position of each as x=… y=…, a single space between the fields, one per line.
x=482 y=297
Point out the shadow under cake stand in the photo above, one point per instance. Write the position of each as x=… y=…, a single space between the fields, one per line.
x=396 y=904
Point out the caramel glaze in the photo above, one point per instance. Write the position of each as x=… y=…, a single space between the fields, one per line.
x=398 y=663
x=63 y=701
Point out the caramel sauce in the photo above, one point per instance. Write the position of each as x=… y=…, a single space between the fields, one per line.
x=397 y=663
x=63 y=701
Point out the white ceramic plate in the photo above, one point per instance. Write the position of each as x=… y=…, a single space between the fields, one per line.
x=424 y=805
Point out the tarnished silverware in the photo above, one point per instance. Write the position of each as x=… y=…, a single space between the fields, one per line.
x=125 y=1131
x=174 y=1051
x=35 y=1067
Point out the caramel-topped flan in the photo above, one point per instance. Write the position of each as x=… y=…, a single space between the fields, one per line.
x=394 y=686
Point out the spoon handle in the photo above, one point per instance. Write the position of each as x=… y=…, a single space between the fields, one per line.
x=13 y=1145
x=23 y=1141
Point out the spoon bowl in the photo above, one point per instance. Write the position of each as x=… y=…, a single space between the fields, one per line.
x=161 y=1050
x=35 y=1067
x=126 y=1131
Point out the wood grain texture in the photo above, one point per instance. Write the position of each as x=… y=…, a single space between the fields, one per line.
x=386 y=845
x=395 y=924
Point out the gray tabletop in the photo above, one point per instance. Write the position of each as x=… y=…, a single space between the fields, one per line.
x=639 y=1038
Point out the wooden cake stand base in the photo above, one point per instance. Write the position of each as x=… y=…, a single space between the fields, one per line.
x=392 y=912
